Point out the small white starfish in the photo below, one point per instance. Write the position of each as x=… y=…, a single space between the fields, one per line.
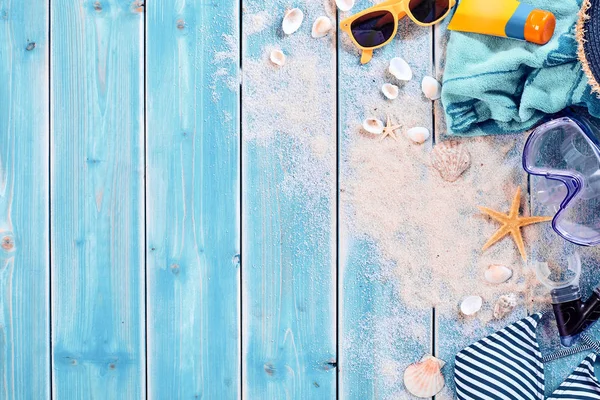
x=389 y=130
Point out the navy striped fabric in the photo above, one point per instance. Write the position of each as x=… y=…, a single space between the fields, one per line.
x=581 y=384
x=508 y=366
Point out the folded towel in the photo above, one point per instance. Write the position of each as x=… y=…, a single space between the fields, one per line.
x=497 y=85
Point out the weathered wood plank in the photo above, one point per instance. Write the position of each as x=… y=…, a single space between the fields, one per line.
x=453 y=332
x=552 y=248
x=380 y=335
x=193 y=200
x=289 y=206
x=97 y=199
x=496 y=170
x=24 y=200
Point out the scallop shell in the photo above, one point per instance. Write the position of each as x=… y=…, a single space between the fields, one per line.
x=344 y=5
x=505 y=305
x=278 y=58
x=321 y=27
x=424 y=378
x=373 y=125
x=418 y=134
x=451 y=159
x=400 y=69
x=470 y=305
x=390 y=91
x=497 y=274
x=292 y=20
x=431 y=88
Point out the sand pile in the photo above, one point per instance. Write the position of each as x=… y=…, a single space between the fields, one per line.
x=429 y=232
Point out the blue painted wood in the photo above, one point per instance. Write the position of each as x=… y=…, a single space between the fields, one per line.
x=377 y=337
x=24 y=200
x=288 y=213
x=453 y=330
x=552 y=248
x=96 y=158
x=97 y=199
x=193 y=200
x=454 y=333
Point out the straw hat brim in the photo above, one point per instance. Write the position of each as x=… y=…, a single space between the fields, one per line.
x=588 y=37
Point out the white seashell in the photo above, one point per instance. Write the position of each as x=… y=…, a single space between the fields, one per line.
x=390 y=91
x=400 y=69
x=292 y=21
x=321 y=27
x=424 y=378
x=278 y=58
x=418 y=134
x=373 y=125
x=470 y=305
x=432 y=89
x=451 y=159
x=505 y=305
x=344 y=5
x=497 y=274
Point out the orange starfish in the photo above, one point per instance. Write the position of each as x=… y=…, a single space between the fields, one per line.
x=512 y=224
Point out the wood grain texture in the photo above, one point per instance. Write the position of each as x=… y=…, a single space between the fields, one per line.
x=24 y=201
x=288 y=207
x=452 y=333
x=552 y=248
x=193 y=200
x=379 y=334
x=97 y=199
x=74 y=203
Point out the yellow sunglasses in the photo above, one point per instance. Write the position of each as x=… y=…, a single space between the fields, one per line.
x=376 y=26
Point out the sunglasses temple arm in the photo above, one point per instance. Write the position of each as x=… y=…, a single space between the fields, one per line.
x=366 y=56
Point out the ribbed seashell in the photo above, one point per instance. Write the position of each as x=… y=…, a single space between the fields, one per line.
x=373 y=125
x=418 y=134
x=497 y=274
x=424 y=378
x=451 y=159
x=471 y=305
x=432 y=89
x=277 y=57
x=390 y=91
x=505 y=305
x=344 y=5
x=292 y=20
x=400 y=69
x=321 y=27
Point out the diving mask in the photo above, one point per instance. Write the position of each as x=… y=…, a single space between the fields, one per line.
x=565 y=153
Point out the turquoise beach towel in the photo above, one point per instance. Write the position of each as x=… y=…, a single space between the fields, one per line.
x=497 y=85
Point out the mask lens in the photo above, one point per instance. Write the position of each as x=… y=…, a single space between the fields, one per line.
x=373 y=29
x=428 y=11
x=579 y=221
x=570 y=157
x=560 y=145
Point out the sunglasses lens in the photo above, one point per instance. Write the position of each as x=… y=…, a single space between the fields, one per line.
x=373 y=29
x=428 y=11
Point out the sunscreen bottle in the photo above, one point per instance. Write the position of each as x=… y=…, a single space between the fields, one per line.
x=505 y=18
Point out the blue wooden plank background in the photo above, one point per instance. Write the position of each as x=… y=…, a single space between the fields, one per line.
x=24 y=201
x=97 y=199
x=173 y=216
x=289 y=271
x=377 y=339
x=192 y=194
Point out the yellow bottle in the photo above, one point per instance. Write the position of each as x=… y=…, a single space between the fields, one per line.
x=505 y=18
